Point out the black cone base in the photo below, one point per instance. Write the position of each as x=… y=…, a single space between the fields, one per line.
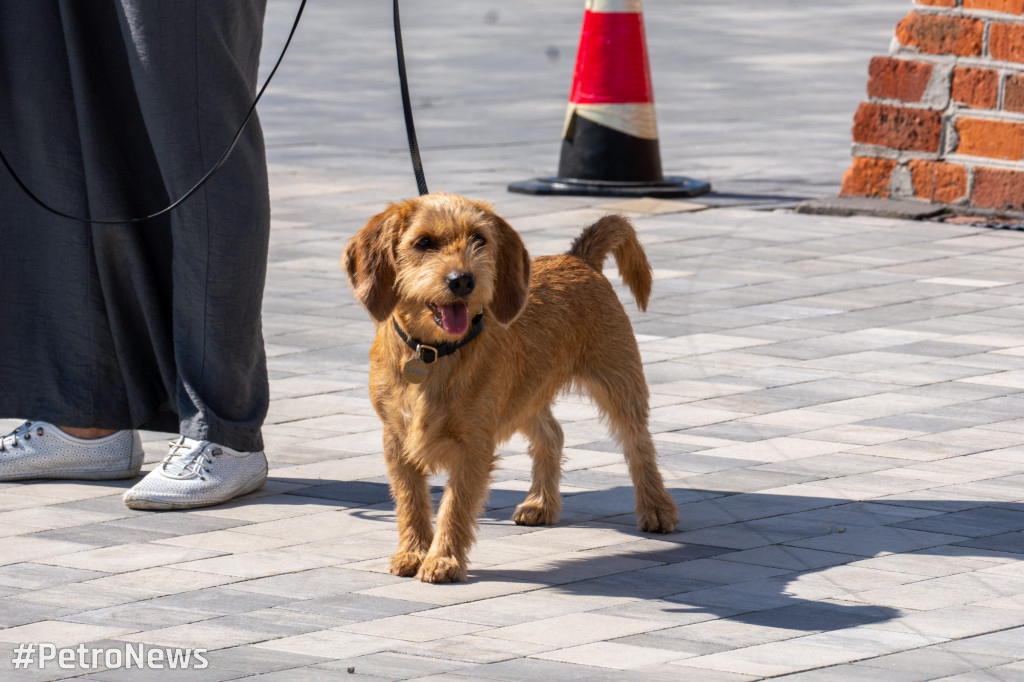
x=599 y=161
x=667 y=188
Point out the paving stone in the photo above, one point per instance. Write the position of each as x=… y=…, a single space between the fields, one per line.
x=871 y=542
x=76 y=597
x=533 y=668
x=356 y=607
x=521 y=608
x=17 y=613
x=1007 y=542
x=472 y=649
x=140 y=616
x=220 y=600
x=128 y=557
x=60 y=633
x=308 y=673
x=103 y=535
x=39 y=576
x=852 y=671
x=187 y=674
x=933 y=662
x=976 y=523
x=614 y=655
x=1004 y=643
x=329 y=643
x=573 y=629
x=249 y=659
x=413 y=628
x=394 y=666
x=956 y=622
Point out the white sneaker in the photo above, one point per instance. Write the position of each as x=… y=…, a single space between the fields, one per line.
x=198 y=473
x=41 y=450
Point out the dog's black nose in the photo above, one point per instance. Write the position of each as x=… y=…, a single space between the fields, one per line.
x=461 y=284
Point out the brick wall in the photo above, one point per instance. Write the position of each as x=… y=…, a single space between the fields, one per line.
x=944 y=118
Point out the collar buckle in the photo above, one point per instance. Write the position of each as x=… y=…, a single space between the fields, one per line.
x=431 y=356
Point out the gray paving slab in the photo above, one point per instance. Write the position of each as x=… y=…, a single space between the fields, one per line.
x=357 y=607
x=250 y=660
x=393 y=666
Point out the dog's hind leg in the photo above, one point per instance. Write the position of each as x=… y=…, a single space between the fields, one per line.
x=620 y=391
x=544 y=502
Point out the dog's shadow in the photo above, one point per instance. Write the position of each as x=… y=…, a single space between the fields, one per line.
x=767 y=559
x=773 y=560
x=740 y=556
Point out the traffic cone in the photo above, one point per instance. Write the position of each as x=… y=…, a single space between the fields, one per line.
x=610 y=138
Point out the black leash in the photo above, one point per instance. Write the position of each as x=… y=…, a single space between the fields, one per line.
x=202 y=181
x=410 y=128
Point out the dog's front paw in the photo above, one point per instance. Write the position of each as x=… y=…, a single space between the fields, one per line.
x=406 y=564
x=533 y=514
x=442 y=569
x=660 y=519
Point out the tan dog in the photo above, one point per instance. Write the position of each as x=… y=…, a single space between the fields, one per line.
x=446 y=274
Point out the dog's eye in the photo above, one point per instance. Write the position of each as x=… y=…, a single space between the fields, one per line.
x=478 y=240
x=424 y=244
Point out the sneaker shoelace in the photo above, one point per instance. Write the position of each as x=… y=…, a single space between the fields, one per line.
x=23 y=433
x=195 y=459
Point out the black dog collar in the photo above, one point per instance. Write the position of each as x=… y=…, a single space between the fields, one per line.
x=430 y=354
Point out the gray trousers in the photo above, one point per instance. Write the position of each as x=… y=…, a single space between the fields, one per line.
x=112 y=108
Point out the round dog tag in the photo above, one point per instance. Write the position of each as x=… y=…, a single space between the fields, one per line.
x=415 y=371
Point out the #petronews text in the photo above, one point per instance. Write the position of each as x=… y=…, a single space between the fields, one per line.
x=85 y=658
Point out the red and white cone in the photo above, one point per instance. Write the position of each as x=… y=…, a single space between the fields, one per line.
x=610 y=138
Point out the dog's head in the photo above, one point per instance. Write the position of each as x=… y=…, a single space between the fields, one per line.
x=437 y=261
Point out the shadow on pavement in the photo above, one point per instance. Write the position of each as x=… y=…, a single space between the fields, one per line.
x=738 y=556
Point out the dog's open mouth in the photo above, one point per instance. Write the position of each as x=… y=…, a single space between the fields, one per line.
x=452 y=318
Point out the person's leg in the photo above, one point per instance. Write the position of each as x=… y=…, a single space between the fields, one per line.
x=68 y=130
x=195 y=69
x=82 y=344
x=154 y=325
x=87 y=434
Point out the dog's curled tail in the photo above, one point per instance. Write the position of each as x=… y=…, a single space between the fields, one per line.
x=615 y=234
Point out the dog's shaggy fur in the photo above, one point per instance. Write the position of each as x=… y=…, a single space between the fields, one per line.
x=552 y=324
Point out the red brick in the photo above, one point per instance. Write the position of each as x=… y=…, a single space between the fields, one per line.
x=897 y=127
x=999 y=189
x=992 y=139
x=898 y=79
x=867 y=178
x=1013 y=93
x=941 y=35
x=937 y=181
x=1007 y=6
x=978 y=88
x=1006 y=42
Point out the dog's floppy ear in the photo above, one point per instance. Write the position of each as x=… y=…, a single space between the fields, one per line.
x=369 y=260
x=512 y=277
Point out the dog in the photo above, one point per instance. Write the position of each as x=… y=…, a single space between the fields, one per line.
x=473 y=343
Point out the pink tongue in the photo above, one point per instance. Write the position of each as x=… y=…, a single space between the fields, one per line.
x=455 y=319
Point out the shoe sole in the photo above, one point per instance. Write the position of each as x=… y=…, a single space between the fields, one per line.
x=167 y=505
x=76 y=474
